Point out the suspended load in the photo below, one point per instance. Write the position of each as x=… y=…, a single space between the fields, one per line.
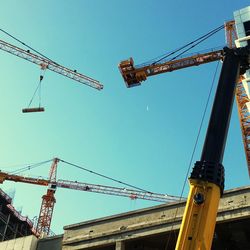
x=38 y=109
x=29 y=110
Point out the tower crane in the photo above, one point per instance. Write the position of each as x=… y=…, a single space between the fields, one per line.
x=46 y=63
x=135 y=75
x=207 y=177
x=48 y=200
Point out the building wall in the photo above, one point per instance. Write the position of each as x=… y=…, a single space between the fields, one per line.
x=23 y=243
x=155 y=227
x=50 y=243
x=12 y=223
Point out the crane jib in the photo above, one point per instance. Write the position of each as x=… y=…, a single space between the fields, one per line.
x=44 y=63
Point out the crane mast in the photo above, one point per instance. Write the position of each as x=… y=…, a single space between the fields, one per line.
x=243 y=107
x=45 y=63
x=48 y=202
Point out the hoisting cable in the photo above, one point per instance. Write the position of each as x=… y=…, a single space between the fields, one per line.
x=39 y=109
x=5 y=32
x=188 y=49
x=104 y=176
x=29 y=167
x=193 y=43
x=42 y=74
x=193 y=152
x=38 y=89
x=160 y=58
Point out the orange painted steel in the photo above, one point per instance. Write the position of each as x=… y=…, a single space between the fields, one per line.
x=231 y=34
x=242 y=99
x=133 y=75
x=18 y=178
x=48 y=202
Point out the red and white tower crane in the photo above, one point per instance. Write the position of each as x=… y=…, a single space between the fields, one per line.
x=48 y=200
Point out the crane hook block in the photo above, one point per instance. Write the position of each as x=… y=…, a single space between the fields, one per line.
x=30 y=110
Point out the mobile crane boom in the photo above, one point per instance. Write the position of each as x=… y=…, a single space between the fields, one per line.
x=45 y=63
x=207 y=178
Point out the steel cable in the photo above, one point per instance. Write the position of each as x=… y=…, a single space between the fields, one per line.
x=104 y=176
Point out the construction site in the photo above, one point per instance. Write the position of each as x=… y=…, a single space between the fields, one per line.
x=150 y=228
x=209 y=216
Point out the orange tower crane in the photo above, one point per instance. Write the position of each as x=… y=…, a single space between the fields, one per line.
x=48 y=200
x=134 y=75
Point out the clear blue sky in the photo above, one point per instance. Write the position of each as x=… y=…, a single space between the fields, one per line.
x=144 y=135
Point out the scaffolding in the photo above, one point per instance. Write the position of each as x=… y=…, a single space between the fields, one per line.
x=12 y=224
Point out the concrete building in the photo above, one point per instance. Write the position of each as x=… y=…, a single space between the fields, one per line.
x=24 y=243
x=153 y=228
x=156 y=228
x=12 y=224
x=50 y=243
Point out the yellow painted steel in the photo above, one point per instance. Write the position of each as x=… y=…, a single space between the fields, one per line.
x=198 y=223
